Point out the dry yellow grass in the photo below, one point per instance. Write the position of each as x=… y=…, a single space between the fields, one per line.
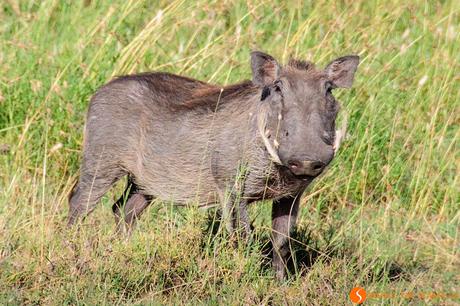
x=385 y=216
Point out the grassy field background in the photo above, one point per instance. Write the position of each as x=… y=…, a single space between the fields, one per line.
x=385 y=216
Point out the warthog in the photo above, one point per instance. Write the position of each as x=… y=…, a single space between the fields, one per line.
x=187 y=141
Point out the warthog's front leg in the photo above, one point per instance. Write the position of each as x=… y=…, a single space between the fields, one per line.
x=236 y=216
x=235 y=210
x=284 y=216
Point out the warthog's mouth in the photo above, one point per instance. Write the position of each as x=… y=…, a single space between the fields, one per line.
x=288 y=173
x=306 y=178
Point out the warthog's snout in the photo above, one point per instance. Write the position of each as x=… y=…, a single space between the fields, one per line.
x=307 y=167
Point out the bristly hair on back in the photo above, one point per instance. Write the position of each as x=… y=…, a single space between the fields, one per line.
x=212 y=97
x=301 y=65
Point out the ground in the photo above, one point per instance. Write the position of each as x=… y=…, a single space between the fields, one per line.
x=384 y=217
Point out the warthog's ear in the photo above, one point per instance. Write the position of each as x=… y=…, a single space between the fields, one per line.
x=341 y=71
x=265 y=69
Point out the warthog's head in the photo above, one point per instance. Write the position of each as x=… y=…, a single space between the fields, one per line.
x=297 y=120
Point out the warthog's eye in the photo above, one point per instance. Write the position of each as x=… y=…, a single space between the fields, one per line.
x=265 y=93
x=267 y=90
x=329 y=87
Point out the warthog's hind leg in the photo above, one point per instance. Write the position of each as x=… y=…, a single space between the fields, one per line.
x=91 y=186
x=134 y=203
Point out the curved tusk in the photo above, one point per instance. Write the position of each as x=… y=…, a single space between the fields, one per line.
x=340 y=133
x=261 y=128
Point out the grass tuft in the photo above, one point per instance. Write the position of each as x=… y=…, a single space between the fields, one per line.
x=385 y=216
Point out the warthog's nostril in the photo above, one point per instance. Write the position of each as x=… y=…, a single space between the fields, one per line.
x=310 y=168
x=313 y=167
x=317 y=166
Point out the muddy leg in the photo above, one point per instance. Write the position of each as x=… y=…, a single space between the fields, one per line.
x=284 y=217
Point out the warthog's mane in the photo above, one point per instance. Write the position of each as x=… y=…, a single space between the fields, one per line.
x=197 y=95
x=155 y=78
x=301 y=65
x=212 y=97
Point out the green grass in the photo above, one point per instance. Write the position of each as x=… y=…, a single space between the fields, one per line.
x=385 y=216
